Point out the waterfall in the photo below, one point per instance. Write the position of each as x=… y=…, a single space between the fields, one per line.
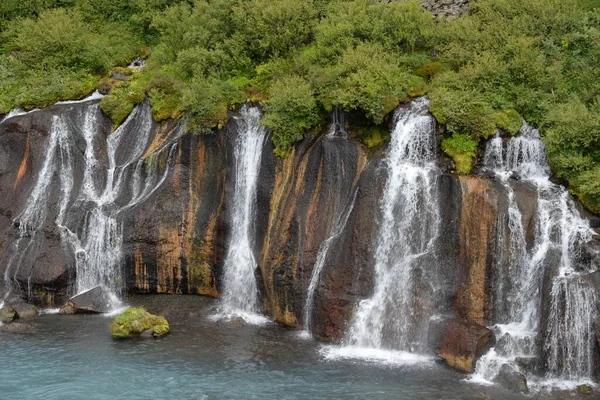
x=396 y=316
x=240 y=290
x=337 y=229
x=559 y=233
x=91 y=204
x=338 y=124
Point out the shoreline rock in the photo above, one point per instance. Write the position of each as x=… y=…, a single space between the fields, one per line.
x=96 y=301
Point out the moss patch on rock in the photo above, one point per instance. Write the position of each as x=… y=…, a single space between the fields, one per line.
x=135 y=321
x=462 y=149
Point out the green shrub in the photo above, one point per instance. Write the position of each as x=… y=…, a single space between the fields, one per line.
x=290 y=111
x=509 y=120
x=464 y=112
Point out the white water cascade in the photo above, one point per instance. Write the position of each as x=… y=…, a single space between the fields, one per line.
x=91 y=203
x=521 y=269
x=240 y=290
x=394 y=320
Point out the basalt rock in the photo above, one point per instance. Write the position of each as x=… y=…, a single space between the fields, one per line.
x=174 y=241
x=512 y=379
x=460 y=343
x=96 y=300
x=312 y=187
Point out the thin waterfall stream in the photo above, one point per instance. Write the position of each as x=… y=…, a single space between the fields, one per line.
x=336 y=231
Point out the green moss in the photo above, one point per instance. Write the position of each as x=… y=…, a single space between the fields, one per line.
x=119 y=103
x=462 y=149
x=282 y=152
x=117 y=106
x=509 y=120
x=133 y=321
x=371 y=136
x=107 y=84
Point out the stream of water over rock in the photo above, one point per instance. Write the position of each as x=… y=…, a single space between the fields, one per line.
x=88 y=205
x=564 y=341
x=393 y=322
x=240 y=290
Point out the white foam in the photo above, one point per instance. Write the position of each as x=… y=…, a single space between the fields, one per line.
x=49 y=311
x=94 y=96
x=380 y=356
x=248 y=317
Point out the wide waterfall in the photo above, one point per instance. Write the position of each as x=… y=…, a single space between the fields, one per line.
x=567 y=333
x=240 y=290
x=397 y=315
x=89 y=205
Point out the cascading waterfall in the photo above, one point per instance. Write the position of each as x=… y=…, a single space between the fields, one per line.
x=560 y=231
x=104 y=193
x=396 y=316
x=240 y=290
x=34 y=214
x=337 y=229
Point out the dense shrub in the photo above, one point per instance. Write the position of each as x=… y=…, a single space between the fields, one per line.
x=290 y=111
x=503 y=61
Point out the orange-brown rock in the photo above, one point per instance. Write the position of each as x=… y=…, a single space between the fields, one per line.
x=460 y=343
x=477 y=234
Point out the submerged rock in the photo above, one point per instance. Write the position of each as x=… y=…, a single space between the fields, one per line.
x=19 y=327
x=135 y=322
x=18 y=311
x=459 y=343
x=96 y=300
x=511 y=379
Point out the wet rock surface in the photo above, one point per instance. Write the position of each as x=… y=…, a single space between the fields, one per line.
x=96 y=300
x=512 y=379
x=18 y=311
x=459 y=343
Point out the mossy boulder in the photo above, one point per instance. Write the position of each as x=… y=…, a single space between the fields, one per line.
x=134 y=322
x=509 y=120
x=584 y=390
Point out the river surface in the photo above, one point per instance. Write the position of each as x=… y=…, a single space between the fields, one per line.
x=74 y=357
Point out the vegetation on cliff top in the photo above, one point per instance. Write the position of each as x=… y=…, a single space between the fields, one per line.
x=505 y=60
